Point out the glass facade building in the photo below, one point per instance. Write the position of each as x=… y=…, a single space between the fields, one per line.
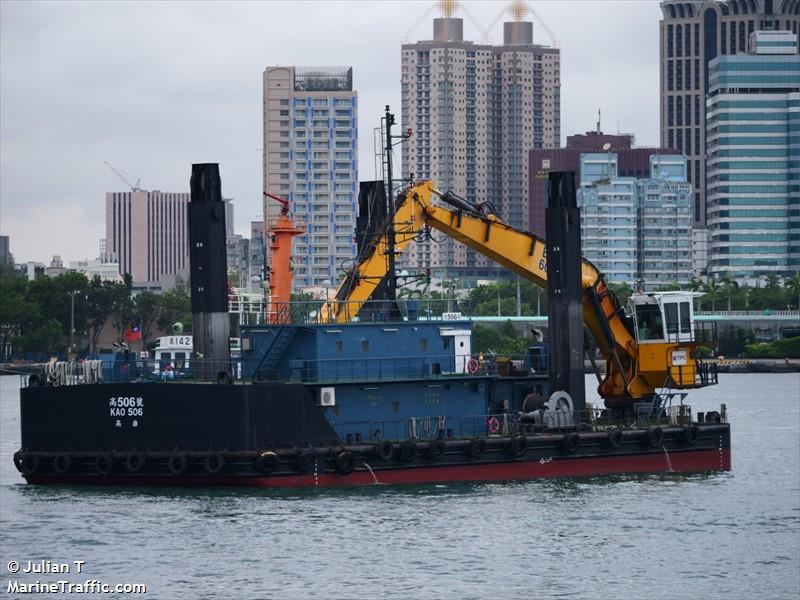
x=753 y=124
x=692 y=34
x=311 y=159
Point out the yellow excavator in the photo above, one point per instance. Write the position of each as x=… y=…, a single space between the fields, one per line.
x=649 y=346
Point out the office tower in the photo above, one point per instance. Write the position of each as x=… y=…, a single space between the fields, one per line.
x=636 y=230
x=475 y=110
x=692 y=33
x=147 y=232
x=753 y=118
x=631 y=162
x=311 y=159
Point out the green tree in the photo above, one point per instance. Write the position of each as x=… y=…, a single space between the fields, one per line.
x=792 y=286
x=622 y=290
x=697 y=285
x=146 y=310
x=176 y=306
x=14 y=309
x=773 y=282
x=106 y=298
x=488 y=339
x=728 y=285
x=712 y=289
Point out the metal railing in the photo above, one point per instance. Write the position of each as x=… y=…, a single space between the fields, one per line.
x=748 y=313
x=668 y=411
x=67 y=373
x=375 y=311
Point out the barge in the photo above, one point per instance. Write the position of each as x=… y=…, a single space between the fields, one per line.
x=362 y=389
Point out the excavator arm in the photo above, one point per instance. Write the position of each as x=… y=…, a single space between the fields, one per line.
x=519 y=251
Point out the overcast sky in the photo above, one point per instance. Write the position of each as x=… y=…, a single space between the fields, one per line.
x=153 y=87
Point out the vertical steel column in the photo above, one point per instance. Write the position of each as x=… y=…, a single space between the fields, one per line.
x=208 y=265
x=564 y=288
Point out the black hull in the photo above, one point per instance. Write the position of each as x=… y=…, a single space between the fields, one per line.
x=274 y=435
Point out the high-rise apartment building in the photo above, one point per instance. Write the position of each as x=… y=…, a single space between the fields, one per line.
x=257 y=250
x=475 y=111
x=692 y=33
x=630 y=161
x=311 y=159
x=148 y=234
x=608 y=217
x=753 y=123
x=664 y=228
x=636 y=230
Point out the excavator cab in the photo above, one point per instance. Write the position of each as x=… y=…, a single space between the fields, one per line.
x=665 y=333
x=663 y=317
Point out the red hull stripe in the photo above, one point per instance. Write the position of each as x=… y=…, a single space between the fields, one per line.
x=697 y=461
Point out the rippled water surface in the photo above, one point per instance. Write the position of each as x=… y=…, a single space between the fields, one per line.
x=727 y=535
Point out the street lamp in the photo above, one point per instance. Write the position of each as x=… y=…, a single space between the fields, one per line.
x=72 y=320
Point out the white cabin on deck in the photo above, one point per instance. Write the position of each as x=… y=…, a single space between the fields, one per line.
x=173 y=350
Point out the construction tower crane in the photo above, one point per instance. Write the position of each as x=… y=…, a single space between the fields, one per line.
x=134 y=186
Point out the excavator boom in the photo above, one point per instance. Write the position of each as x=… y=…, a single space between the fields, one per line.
x=519 y=251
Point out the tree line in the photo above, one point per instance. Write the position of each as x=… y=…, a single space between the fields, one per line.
x=725 y=294
x=36 y=316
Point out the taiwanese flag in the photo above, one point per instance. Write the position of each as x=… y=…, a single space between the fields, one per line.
x=133 y=333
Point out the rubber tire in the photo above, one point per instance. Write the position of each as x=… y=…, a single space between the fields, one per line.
x=435 y=450
x=103 y=464
x=177 y=463
x=713 y=417
x=135 y=462
x=655 y=437
x=35 y=381
x=344 y=462
x=223 y=378
x=571 y=443
x=406 y=451
x=29 y=463
x=518 y=446
x=304 y=461
x=62 y=463
x=267 y=462
x=614 y=439
x=385 y=450
x=18 y=456
x=214 y=463
x=476 y=448
x=690 y=435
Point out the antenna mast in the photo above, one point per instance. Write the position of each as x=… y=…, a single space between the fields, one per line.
x=391 y=282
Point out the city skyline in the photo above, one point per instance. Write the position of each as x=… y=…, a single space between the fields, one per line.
x=73 y=95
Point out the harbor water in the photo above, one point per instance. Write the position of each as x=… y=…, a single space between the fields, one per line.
x=723 y=535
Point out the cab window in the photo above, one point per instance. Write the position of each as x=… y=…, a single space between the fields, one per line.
x=671 y=313
x=686 y=324
x=649 y=323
